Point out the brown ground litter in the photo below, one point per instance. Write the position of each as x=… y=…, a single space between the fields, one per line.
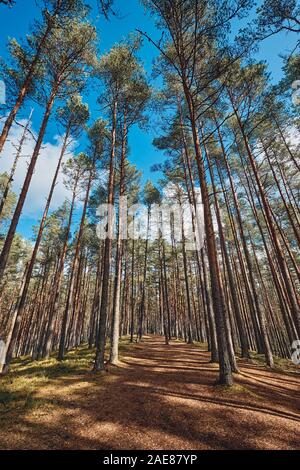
x=161 y=397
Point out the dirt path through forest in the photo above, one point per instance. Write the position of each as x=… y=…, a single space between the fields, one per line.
x=162 y=397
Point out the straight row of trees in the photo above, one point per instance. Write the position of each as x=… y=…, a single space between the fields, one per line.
x=227 y=133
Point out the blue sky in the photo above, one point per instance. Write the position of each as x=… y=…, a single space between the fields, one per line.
x=15 y=22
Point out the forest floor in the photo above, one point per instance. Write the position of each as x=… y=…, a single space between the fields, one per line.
x=160 y=397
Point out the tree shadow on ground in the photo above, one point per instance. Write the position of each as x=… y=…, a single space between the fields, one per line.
x=156 y=400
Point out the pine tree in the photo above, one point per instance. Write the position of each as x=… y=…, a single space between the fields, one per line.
x=27 y=68
x=66 y=65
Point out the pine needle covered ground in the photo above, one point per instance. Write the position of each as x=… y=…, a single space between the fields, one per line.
x=161 y=397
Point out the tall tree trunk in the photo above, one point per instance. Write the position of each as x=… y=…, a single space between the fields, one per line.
x=235 y=303
x=15 y=163
x=186 y=279
x=18 y=210
x=268 y=213
x=22 y=301
x=225 y=372
x=115 y=333
x=10 y=340
x=100 y=353
x=62 y=342
x=58 y=278
x=132 y=292
x=142 y=306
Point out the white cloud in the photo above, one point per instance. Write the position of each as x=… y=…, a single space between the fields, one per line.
x=44 y=171
x=293 y=135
